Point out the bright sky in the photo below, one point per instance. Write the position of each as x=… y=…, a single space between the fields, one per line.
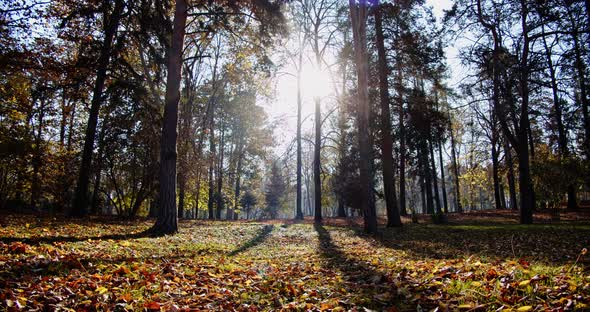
x=283 y=109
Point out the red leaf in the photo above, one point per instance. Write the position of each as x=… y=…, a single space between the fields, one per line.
x=525 y=264
x=17 y=247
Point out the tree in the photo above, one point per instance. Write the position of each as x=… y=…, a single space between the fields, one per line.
x=111 y=22
x=167 y=220
x=393 y=217
x=358 y=15
x=510 y=71
x=248 y=202
x=297 y=58
x=275 y=191
x=317 y=22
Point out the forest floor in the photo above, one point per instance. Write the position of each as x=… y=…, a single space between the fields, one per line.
x=478 y=262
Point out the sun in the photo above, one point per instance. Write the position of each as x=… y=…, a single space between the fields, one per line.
x=316 y=83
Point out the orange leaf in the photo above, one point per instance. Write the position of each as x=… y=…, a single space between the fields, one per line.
x=525 y=264
x=125 y=297
x=153 y=305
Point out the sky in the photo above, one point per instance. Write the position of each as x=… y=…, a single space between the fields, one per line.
x=282 y=109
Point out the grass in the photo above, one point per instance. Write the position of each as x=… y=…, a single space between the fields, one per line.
x=103 y=264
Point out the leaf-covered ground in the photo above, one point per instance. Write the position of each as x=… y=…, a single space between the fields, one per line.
x=103 y=264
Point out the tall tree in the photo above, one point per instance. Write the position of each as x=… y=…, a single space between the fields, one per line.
x=167 y=221
x=562 y=141
x=393 y=216
x=519 y=136
x=301 y=21
x=317 y=168
x=358 y=16
x=111 y=22
x=455 y=166
x=299 y=212
x=317 y=16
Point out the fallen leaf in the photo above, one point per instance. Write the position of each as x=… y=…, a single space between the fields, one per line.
x=152 y=305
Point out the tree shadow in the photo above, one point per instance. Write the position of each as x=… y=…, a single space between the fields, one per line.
x=359 y=278
x=35 y=268
x=260 y=237
x=73 y=239
x=493 y=242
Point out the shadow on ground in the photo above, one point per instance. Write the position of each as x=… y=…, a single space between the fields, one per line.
x=256 y=240
x=544 y=243
x=73 y=239
x=359 y=278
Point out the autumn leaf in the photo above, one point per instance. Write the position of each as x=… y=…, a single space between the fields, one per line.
x=17 y=248
x=122 y=270
x=299 y=267
x=101 y=290
x=525 y=264
x=152 y=305
x=125 y=297
x=524 y=283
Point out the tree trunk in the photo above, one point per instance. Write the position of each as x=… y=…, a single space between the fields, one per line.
x=197 y=193
x=526 y=189
x=455 y=168
x=526 y=198
x=502 y=196
x=317 y=179
x=299 y=212
x=434 y=177
x=219 y=195
x=443 y=180
x=96 y=191
x=422 y=192
x=80 y=208
x=167 y=221
x=237 y=191
x=137 y=204
x=426 y=175
x=495 y=176
x=510 y=177
x=37 y=159
x=211 y=201
x=393 y=216
x=359 y=23
x=402 y=143
x=342 y=146
x=531 y=159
